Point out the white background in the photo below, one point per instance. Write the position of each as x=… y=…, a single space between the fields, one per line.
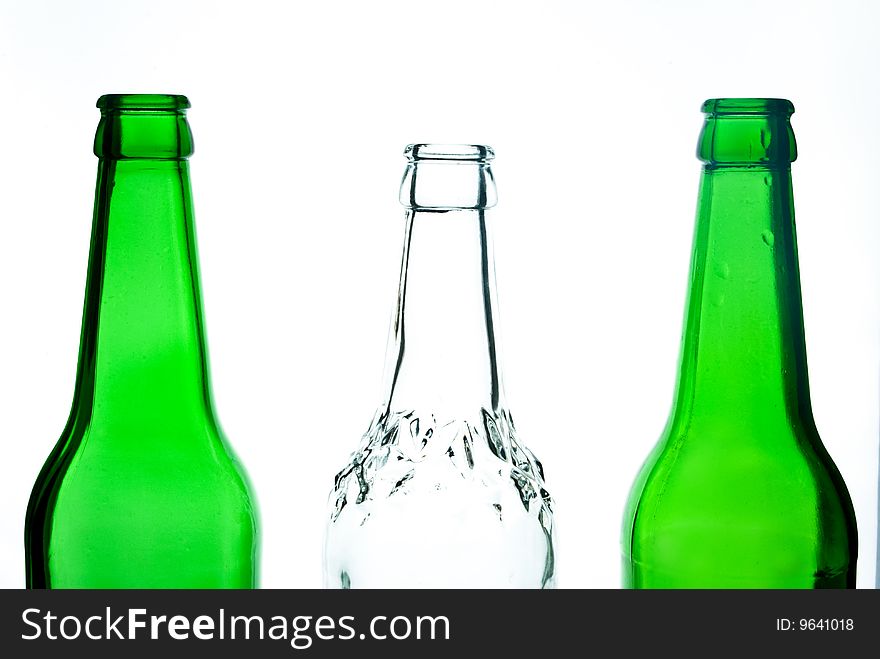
x=300 y=114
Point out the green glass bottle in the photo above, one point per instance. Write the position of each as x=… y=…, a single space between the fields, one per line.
x=740 y=492
x=142 y=490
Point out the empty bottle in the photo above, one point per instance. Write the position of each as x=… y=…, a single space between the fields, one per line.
x=740 y=492
x=142 y=490
x=441 y=492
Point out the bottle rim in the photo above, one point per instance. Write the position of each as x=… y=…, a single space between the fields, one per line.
x=453 y=152
x=748 y=106
x=149 y=102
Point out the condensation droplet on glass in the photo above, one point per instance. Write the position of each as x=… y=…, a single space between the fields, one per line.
x=768 y=238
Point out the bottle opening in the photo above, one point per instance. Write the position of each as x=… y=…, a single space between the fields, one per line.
x=171 y=102
x=747 y=132
x=143 y=126
x=748 y=106
x=443 y=177
x=462 y=152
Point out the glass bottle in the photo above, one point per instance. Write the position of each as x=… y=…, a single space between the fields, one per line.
x=142 y=490
x=441 y=492
x=740 y=492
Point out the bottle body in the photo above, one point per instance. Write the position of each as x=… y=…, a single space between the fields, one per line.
x=428 y=503
x=740 y=492
x=441 y=492
x=142 y=489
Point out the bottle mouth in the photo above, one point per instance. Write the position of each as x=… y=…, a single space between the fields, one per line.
x=748 y=106
x=747 y=132
x=143 y=127
x=453 y=152
x=445 y=177
x=145 y=102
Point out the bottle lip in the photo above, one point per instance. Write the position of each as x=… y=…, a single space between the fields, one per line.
x=449 y=152
x=748 y=106
x=148 y=102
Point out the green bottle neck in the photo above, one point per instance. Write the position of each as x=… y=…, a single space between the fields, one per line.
x=143 y=361
x=743 y=359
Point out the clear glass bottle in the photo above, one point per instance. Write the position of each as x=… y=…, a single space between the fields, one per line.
x=441 y=493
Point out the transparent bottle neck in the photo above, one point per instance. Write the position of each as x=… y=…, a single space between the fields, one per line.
x=442 y=353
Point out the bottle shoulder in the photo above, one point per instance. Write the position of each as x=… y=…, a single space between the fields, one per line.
x=741 y=446
x=419 y=454
x=730 y=469
x=173 y=460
